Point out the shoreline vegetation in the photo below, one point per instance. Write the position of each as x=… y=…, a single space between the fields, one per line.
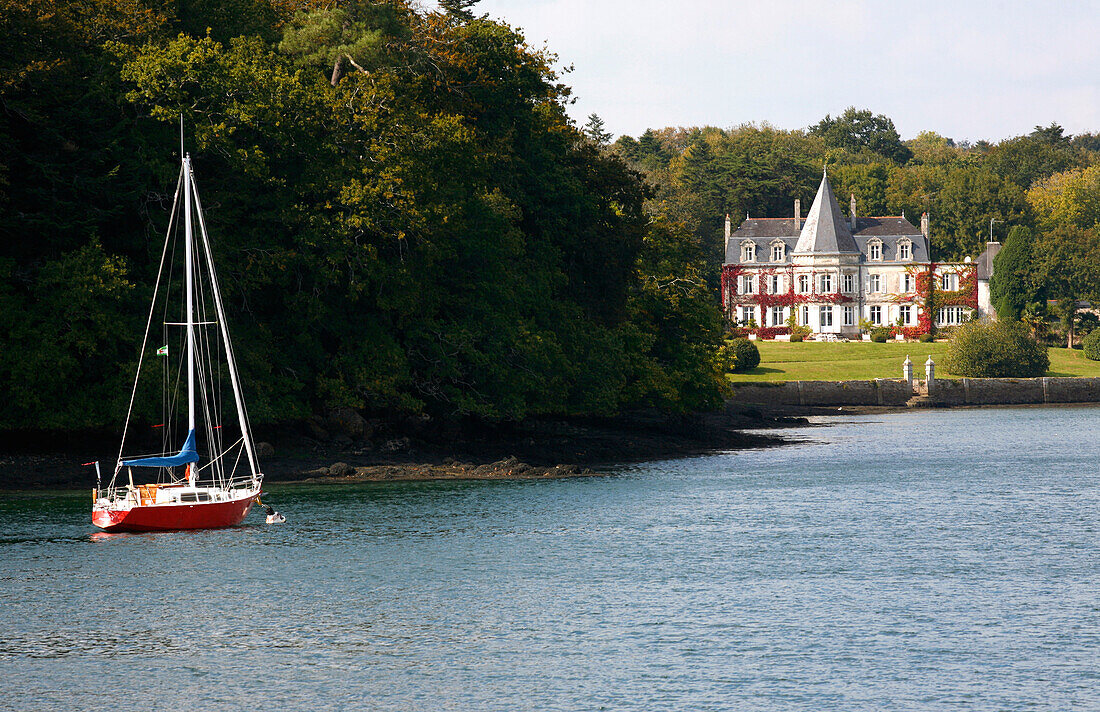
x=345 y=448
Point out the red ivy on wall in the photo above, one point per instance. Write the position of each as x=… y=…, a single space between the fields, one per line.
x=770 y=332
x=927 y=296
x=761 y=297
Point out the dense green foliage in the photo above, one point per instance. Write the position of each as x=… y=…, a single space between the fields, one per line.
x=744 y=356
x=996 y=349
x=702 y=174
x=1042 y=190
x=1090 y=345
x=859 y=130
x=1009 y=289
x=880 y=334
x=406 y=219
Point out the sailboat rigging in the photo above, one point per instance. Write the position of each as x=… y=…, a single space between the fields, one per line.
x=189 y=491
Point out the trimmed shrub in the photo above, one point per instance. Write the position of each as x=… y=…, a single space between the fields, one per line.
x=995 y=349
x=880 y=334
x=925 y=338
x=744 y=356
x=797 y=338
x=1091 y=345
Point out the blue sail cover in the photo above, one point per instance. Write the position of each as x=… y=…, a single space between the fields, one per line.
x=186 y=455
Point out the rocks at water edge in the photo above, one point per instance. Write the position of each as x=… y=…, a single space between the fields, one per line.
x=508 y=468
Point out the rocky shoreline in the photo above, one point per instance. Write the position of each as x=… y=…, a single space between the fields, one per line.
x=342 y=447
x=507 y=469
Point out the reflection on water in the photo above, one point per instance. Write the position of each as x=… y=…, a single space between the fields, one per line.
x=918 y=561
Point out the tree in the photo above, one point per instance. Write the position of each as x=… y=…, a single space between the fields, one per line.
x=1010 y=290
x=962 y=208
x=594 y=130
x=856 y=130
x=1053 y=135
x=995 y=349
x=1065 y=268
x=866 y=181
x=459 y=8
x=930 y=148
x=1027 y=159
x=334 y=38
x=1068 y=198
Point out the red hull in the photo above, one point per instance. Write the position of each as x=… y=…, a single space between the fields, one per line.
x=166 y=517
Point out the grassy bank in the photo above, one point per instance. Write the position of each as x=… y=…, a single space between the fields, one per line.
x=818 y=361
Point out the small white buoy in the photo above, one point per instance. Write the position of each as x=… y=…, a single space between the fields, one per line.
x=273 y=517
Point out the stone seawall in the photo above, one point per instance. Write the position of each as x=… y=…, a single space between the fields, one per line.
x=945 y=391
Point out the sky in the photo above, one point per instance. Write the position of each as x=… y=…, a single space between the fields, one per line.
x=966 y=69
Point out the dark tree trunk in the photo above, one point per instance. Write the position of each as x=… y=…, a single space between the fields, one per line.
x=337 y=70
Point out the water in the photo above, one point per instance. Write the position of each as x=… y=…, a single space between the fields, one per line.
x=938 y=560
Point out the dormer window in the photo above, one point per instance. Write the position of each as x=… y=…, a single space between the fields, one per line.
x=748 y=251
x=779 y=252
x=874 y=250
x=905 y=250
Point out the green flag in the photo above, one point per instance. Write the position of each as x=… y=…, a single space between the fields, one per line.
x=163 y=350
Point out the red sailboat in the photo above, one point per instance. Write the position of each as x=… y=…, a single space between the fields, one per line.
x=183 y=490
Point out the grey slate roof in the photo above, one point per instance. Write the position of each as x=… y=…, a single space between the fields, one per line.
x=985 y=260
x=918 y=247
x=758 y=228
x=828 y=236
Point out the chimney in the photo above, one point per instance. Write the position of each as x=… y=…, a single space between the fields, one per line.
x=727 y=232
x=924 y=225
x=797 y=214
x=852 y=212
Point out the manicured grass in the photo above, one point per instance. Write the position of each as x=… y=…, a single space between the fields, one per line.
x=858 y=361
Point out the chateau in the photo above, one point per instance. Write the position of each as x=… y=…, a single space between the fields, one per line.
x=831 y=271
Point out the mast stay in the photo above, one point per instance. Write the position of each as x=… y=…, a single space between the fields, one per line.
x=198 y=346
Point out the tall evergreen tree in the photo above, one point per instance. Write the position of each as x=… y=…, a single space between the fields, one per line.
x=1010 y=290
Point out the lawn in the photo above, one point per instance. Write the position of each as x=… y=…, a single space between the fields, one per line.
x=857 y=361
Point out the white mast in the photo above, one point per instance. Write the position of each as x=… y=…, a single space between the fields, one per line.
x=223 y=327
x=189 y=297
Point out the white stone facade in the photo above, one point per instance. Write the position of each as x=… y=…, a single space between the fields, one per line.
x=833 y=271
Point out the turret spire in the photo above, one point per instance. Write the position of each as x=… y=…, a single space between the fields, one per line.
x=825 y=230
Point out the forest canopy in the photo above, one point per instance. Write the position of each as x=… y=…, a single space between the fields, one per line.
x=701 y=174
x=407 y=221
x=405 y=218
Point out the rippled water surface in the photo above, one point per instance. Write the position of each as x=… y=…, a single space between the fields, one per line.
x=938 y=560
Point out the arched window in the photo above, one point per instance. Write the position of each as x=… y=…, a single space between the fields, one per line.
x=874 y=249
x=779 y=251
x=748 y=251
x=905 y=249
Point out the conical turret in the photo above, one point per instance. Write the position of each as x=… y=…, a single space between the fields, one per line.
x=825 y=230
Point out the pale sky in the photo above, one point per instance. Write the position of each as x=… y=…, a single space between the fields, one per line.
x=968 y=70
